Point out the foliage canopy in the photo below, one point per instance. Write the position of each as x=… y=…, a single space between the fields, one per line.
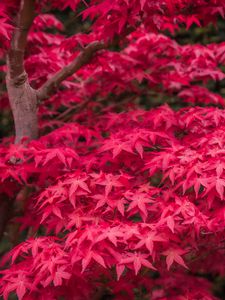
x=113 y=201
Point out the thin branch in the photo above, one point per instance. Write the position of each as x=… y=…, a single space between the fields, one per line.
x=82 y=59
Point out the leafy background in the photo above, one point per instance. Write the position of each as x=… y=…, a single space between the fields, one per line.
x=73 y=24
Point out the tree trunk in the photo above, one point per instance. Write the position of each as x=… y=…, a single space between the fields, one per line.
x=23 y=101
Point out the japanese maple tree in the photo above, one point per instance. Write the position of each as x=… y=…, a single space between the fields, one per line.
x=100 y=197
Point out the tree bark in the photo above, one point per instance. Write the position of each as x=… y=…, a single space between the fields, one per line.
x=23 y=101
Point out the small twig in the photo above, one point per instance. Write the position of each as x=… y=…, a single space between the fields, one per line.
x=64 y=116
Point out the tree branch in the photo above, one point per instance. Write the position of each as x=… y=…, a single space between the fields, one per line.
x=82 y=59
x=6 y=212
x=15 y=55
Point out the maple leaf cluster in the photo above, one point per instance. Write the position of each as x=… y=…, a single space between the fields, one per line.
x=119 y=199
